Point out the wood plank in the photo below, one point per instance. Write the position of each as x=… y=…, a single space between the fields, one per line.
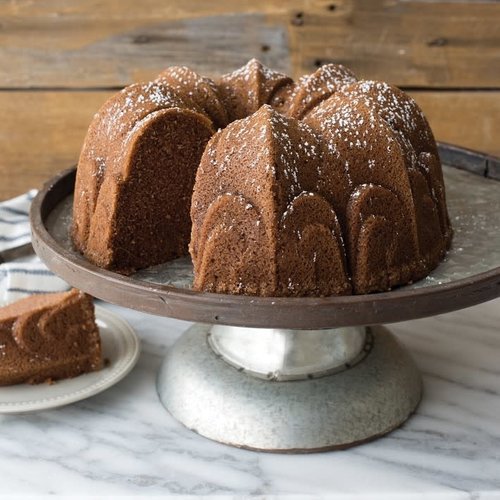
x=98 y=44
x=94 y=10
x=468 y=119
x=408 y=43
x=42 y=132
x=113 y=53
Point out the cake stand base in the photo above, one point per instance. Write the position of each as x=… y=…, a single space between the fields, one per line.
x=230 y=405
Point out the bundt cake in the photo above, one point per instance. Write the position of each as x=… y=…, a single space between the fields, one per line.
x=48 y=337
x=324 y=186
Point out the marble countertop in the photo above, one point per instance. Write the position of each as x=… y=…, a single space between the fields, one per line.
x=123 y=442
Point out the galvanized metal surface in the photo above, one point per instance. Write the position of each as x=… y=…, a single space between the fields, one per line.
x=216 y=400
x=282 y=354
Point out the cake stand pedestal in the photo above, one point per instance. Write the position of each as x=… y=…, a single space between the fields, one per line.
x=319 y=401
x=293 y=374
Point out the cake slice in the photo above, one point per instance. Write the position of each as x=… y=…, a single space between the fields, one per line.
x=48 y=337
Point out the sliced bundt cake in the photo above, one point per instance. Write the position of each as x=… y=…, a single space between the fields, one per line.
x=323 y=186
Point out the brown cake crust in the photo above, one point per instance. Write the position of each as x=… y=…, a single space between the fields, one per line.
x=201 y=90
x=313 y=89
x=415 y=136
x=248 y=88
x=266 y=228
x=48 y=337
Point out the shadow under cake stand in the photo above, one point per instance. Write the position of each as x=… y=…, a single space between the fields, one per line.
x=293 y=374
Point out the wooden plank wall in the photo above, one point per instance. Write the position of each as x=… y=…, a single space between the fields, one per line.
x=60 y=60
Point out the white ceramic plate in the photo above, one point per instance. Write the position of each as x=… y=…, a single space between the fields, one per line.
x=120 y=346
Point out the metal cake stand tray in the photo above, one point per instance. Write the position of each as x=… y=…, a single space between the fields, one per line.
x=293 y=374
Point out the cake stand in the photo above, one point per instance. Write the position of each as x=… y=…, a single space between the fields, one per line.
x=293 y=374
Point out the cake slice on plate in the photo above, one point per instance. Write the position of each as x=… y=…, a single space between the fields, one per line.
x=48 y=337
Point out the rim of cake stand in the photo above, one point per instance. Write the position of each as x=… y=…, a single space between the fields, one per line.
x=271 y=312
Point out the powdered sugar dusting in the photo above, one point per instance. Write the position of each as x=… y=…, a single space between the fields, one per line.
x=399 y=111
x=312 y=89
x=119 y=116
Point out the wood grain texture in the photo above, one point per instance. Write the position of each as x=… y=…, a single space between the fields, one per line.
x=468 y=119
x=98 y=44
x=408 y=43
x=41 y=132
x=107 y=54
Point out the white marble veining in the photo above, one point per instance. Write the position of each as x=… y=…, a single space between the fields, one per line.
x=122 y=442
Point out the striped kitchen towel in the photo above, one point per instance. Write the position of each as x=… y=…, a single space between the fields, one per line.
x=14 y=221
x=27 y=275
